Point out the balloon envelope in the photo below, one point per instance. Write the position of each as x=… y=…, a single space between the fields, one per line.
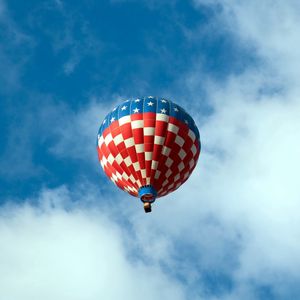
x=148 y=147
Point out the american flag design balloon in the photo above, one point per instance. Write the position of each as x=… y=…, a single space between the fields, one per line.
x=148 y=147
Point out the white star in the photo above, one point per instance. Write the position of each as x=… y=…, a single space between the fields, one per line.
x=163 y=101
x=127 y=100
x=163 y=111
x=123 y=107
x=150 y=103
x=136 y=110
x=151 y=97
x=137 y=100
x=176 y=109
x=104 y=121
x=112 y=119
x=114 y=108
x=186 y=122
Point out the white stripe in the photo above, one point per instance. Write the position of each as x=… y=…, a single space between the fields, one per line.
x=131 y=188
x=170 y=186
x=165 y=182
x=166 y=151
x=181 y=166
x=100 y=141
x=182 y=154
x=179 y=140
x=143 y=171
x=125 y=176
x=191 y=134
x=108 y=139
x=176 y=178
x=169 y=162
x=136 y=166
x=137 y=124
x=104 y=160
x=173 y=128
x=114 y=177
x=119 y=158
x=157 y=174
x=149 y=131
x=118 y=139
x=168 y=174
x=110 y=159
x=162 y=117
x=148 y=155
x=132 y=179
x=128 y=161
x=159 y=140
x=129 y=142
x=154 y=164
x=124 y=120
x=192 y=163
x=194 y=150
x=148 y=180
x=139 y=148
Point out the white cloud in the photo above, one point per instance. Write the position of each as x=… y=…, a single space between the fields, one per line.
x=49 y=252
x=268 y=26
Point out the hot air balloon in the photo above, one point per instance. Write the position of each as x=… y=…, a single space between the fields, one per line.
x=148 y=147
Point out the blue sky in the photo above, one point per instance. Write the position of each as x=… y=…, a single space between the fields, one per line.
x=231 y=232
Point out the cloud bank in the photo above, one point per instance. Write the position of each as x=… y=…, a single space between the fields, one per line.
x=50 y=252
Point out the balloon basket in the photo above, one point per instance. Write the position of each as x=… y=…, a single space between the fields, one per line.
x=147 y=207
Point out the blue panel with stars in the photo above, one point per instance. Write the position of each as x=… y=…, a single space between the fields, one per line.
x=175 y=111
x=124 y=109
x=137 y=106
x=150 y=104
x=105 y=123
x=163 y=106
x=114 y=115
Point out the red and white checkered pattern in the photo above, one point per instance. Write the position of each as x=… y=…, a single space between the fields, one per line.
x=148 y=149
